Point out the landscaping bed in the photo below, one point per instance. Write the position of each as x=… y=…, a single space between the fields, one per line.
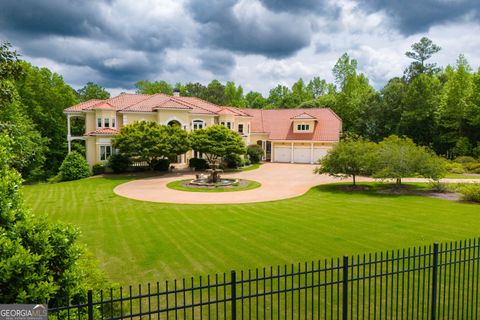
x=241 y=185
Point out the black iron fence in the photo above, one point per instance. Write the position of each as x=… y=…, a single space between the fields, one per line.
x=430 y=282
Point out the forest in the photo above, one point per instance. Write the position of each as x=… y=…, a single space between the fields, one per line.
x=436 y=106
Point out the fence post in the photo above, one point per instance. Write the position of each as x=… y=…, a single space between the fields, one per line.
x=90 y=304
x=434 y=281
x=234 y=295
x=345 y=289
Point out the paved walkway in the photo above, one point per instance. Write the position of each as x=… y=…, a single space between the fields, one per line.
x=279 y=181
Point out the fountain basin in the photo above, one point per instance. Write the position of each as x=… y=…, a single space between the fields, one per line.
x=205 y=182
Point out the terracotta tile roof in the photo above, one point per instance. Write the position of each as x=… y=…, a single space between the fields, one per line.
x=279 y=125
x=82 y=106
x=103 y=106
x=102 y=131
x=304 y=116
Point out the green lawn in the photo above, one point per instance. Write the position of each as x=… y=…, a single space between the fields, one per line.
x=140 y=241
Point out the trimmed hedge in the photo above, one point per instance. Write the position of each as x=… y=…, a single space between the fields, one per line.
x=74 y=167
x=255 y=153
x=233 y=161
x=198 y=164
x=98 y=168
x=119 y=163
x=162 y=165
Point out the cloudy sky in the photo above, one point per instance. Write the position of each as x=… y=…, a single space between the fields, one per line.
x=256 y=43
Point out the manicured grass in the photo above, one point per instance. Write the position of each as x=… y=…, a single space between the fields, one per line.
x=462 y=176
x=142 y=241
x=248 y=168
x=179 y=185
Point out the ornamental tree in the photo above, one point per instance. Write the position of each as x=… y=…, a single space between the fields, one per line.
x=216 y=142
x=149 y=141
x=399 y=158
x=349 y=158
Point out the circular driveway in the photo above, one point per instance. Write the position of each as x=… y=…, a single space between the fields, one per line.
x=279 y=181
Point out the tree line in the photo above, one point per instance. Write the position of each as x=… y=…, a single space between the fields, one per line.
x=436 y=107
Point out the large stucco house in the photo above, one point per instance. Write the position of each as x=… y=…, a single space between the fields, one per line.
x=287 y=135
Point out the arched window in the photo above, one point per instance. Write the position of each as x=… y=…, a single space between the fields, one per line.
x=198 y=124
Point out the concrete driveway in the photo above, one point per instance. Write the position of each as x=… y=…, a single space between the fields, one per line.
x=279 y=181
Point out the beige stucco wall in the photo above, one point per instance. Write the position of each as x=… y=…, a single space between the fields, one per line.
x=134 y=117
x=90 y=150
x=90 y=122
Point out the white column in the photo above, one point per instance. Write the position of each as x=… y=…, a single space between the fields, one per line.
x=69 y=134
x=311 y=153
x=264 y=147
x=291 y=153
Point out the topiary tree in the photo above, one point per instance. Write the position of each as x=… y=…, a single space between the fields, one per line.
x=149 y=141
x=349 y=158
x=255 y=153
x=74 y=167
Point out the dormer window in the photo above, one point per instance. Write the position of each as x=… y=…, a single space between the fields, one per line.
x=303 y=127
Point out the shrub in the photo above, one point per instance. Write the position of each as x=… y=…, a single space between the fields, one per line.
x=470 y=192
x=98 y=168
x=473 y=167
x=198 y=164
x=162 y=165
x=454 y=167
x=255 y=153
x=247 y=162
x=233 y=161
x=74 y=167
x=119 y=163
x=464 y=159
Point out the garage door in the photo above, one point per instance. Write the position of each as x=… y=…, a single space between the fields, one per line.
x=319 y=153
x=301 y=155
x=282 y=154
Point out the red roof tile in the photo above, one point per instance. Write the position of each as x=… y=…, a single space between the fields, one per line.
x=82 y=106
x=279 y=124
x=304 y=116
x=102 y=131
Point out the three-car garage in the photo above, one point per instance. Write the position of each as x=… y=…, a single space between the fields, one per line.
x=297 y=152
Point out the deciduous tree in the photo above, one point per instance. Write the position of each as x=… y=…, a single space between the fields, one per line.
x=351 y=157
x=216 y=142
x=150 y=142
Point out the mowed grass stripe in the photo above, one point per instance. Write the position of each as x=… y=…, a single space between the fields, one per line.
x=138 y=242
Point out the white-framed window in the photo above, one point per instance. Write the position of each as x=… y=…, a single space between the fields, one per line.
x=114 y=122
x=198 y=124
x=303 y=127
x=106 y=122
x=197 y=154
x=99 y=122
x=227 y=124
x=240 y=128
x=105 y=152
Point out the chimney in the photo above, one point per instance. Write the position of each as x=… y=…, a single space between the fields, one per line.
x=176 y=92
